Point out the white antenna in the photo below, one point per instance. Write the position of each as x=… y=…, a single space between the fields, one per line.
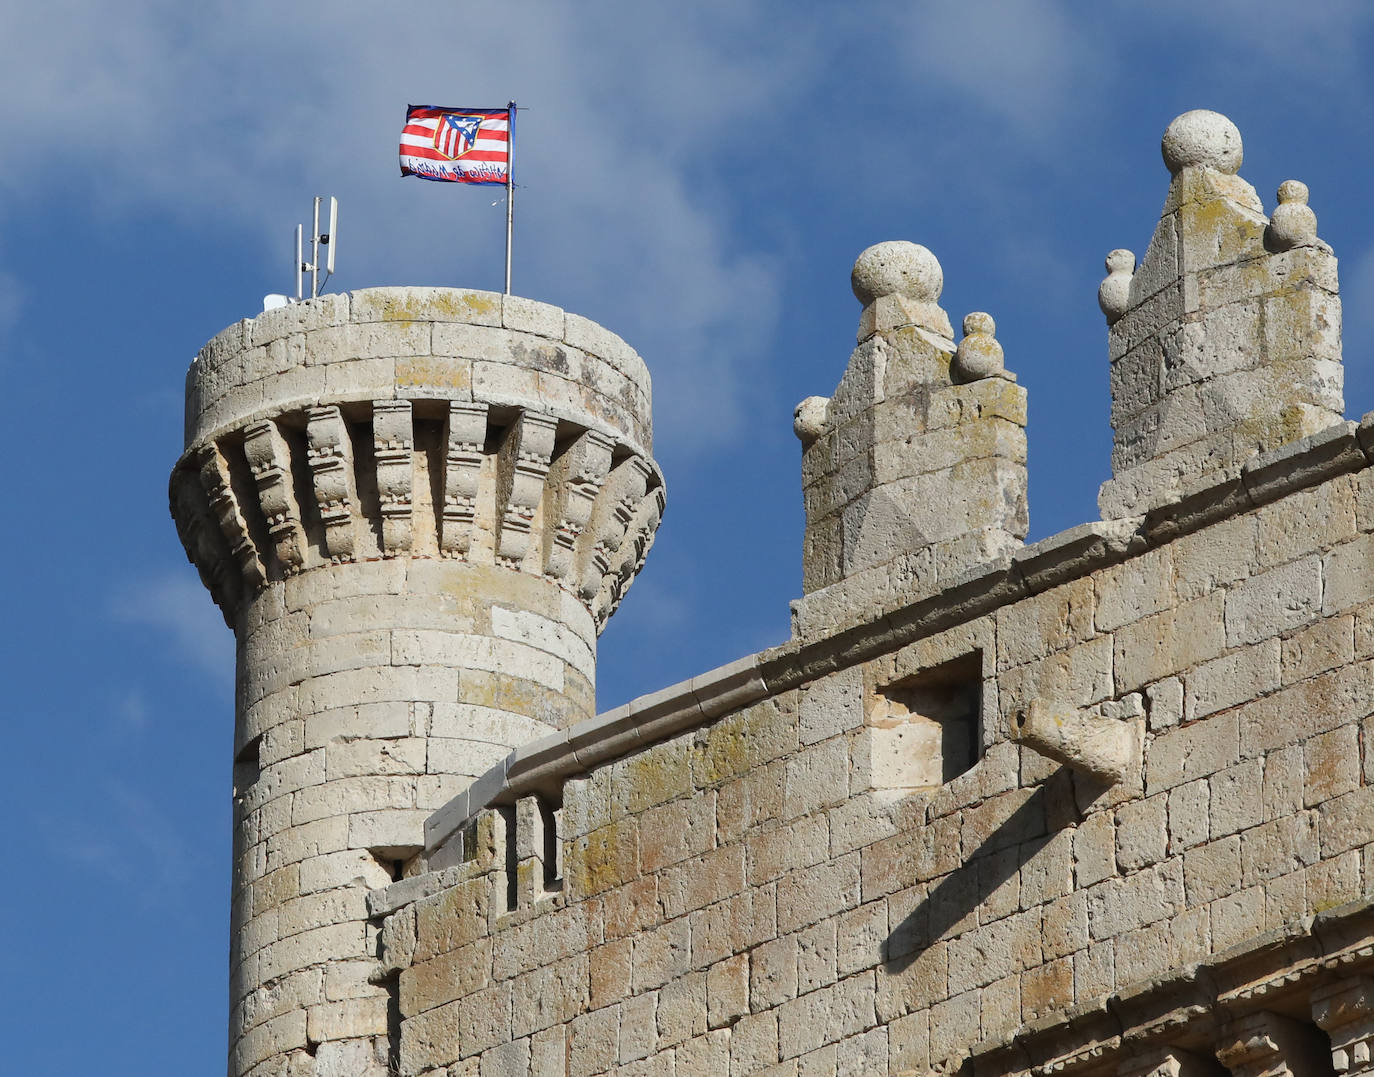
x=318 y=239
x=300 y=265
x=315 y=252
x=328 y=237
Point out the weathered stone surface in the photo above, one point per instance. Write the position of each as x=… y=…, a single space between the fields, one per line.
x=1244 y=363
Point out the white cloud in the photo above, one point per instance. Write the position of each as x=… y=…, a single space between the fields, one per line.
x=1020 y=61
x=132 y=843
x=234 y=115
x=1269 y=41
x=176 y=604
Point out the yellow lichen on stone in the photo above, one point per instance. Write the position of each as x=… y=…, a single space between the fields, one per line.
x=602 y=860
x=655 y=776
x=1217 y=232
x=453 y=919
x=447 y=377
x=734 y=745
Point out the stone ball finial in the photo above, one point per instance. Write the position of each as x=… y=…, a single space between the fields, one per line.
x=808 y=421
x=1202 y=138
x=1114 y=293
x=979 y=355
x=1293 y=223
x=897 y=267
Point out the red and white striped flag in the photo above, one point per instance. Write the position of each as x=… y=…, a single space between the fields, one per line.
x=459 y=145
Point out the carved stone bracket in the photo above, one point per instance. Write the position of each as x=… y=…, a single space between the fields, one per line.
x=529 y=447
x=575 y=482
x=214 y=477
x=557 y=500
x=330 y=455
x=1267 y=1044
x=203 y=541
x=269 y=461
x=393 y=437
x=1165 y=1062
x=611 y=517
x=465 y=438
x=630 y=555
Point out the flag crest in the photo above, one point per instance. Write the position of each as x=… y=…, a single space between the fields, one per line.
x=458 y=145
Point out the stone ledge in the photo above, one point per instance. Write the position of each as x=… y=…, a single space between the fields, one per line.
x=387 y=899
x=541 y=766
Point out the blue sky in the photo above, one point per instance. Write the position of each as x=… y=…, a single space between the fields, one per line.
x=697 y=177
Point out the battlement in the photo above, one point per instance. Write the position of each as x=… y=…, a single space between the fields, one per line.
x=1098 y=806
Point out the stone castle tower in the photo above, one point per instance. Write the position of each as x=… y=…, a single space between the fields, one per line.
x=1099 y=806
x=416 y=508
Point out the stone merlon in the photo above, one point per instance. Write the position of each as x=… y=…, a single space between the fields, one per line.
x=1225 y=341
x=914 y=470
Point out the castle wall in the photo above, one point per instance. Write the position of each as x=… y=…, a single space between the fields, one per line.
x=770 y=891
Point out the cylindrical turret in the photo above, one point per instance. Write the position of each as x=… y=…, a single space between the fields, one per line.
x=416 y=507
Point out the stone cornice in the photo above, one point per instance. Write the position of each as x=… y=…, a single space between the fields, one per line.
x=1193 y=1006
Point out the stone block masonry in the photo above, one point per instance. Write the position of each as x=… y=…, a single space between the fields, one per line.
x=915 y=469
x=965 y=921
x=1102 y=806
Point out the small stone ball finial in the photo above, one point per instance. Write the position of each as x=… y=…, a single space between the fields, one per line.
x=979 y=355
x=808 y=421
x=1293 y=223
x=1114 y=293
x=1202 y=138
x=1292 y=191
x=897 y=268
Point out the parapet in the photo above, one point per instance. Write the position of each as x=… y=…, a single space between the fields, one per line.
x=1225 y=342
x=301 y=425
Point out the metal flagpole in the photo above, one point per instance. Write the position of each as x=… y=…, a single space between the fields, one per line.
x=510 y=183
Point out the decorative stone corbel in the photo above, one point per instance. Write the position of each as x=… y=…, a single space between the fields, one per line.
x=1345 y=1011
x=219 y=491
x=329 y=453
x=1268 y=1044
x=525 y=459
x=465 y=437
x=269 y=462
x=1167 y=1062
x=582 y=472
x=393 y=436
